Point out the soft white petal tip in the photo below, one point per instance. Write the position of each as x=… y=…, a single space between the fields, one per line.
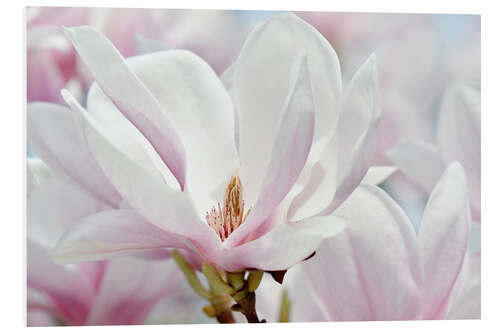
x=66 y=95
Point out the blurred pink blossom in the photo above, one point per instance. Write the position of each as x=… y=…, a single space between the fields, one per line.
x=160 y=133
x=458 y=137
x=380 y=269
x=53 y=65
x=121 y=291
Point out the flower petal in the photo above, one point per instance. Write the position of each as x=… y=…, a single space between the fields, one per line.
x=110 y=234
x=348 y=156
x=376 y=175
x=458 y=135
x=443 y=238
x=358 y=130
x=54 y=206
x=68 y=290
x=201 y=111
x=261 y=84
x=37 y=173
x=419 y=161
x=290 y=151
x=283 y=246
x=171 y=210
x=465 y=302
x=126 y=136
x=130 y=288
x=370 y=271
x=53 y=136
x=130 y=95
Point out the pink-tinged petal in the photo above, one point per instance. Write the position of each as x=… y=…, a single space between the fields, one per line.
x=346 y=159
x=93 y=272
x=39 y=318
x=201 y=111
x=283 y=246
x=227 y=78
x=370 y=271
x=126 y=136
x=44 y=78
x=130 y=289
x=357 y=134
x=316 y=194
x=170 y=210
x=37 y=173
x=113 y=233
x=38 y=300
x=289 y=154
x=304 y=307
x=458 y=135
x=53 y=136
x=130 y=95
x=419 y=161
x=261 y=85
x=54 y=206
x=465 y=301
x=443 y=238
x=376 y=175
x=70 y=293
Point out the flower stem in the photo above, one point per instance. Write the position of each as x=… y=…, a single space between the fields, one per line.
x=226 y=317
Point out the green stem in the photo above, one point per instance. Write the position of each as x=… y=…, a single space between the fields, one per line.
x=285 y=308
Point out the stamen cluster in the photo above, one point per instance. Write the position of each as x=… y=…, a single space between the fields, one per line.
x=224 y=220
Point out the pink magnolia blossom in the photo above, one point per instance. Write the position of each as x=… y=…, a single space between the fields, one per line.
x=458 y=137
x=166 y=142
x=50 y=59
x=380 y=269
x=120 y=291
x=52 y=63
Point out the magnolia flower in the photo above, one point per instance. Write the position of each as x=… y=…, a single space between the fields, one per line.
x=458 y=137
x=121 y=291
x=380 y=269
x=241 y=179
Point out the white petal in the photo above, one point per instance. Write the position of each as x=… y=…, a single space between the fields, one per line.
x=458 y=134
x=37 y=173
x=54 y=206
x=376 y=175
x=419 y=161
x=261 y=84
x=348 y=155
x=110 y=234
x=283 y=246
x=130 y=95
x=52 y=134
x=130 y=288
x=202 y=113
x=289 y=155
x=443 y=238
x=163 y=206
x=465 y=302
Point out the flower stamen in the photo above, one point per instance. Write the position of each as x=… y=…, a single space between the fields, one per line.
x=224 y=220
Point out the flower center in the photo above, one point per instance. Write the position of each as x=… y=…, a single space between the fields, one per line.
x=224 y=220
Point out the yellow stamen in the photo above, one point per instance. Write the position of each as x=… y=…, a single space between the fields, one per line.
x=231 y=215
